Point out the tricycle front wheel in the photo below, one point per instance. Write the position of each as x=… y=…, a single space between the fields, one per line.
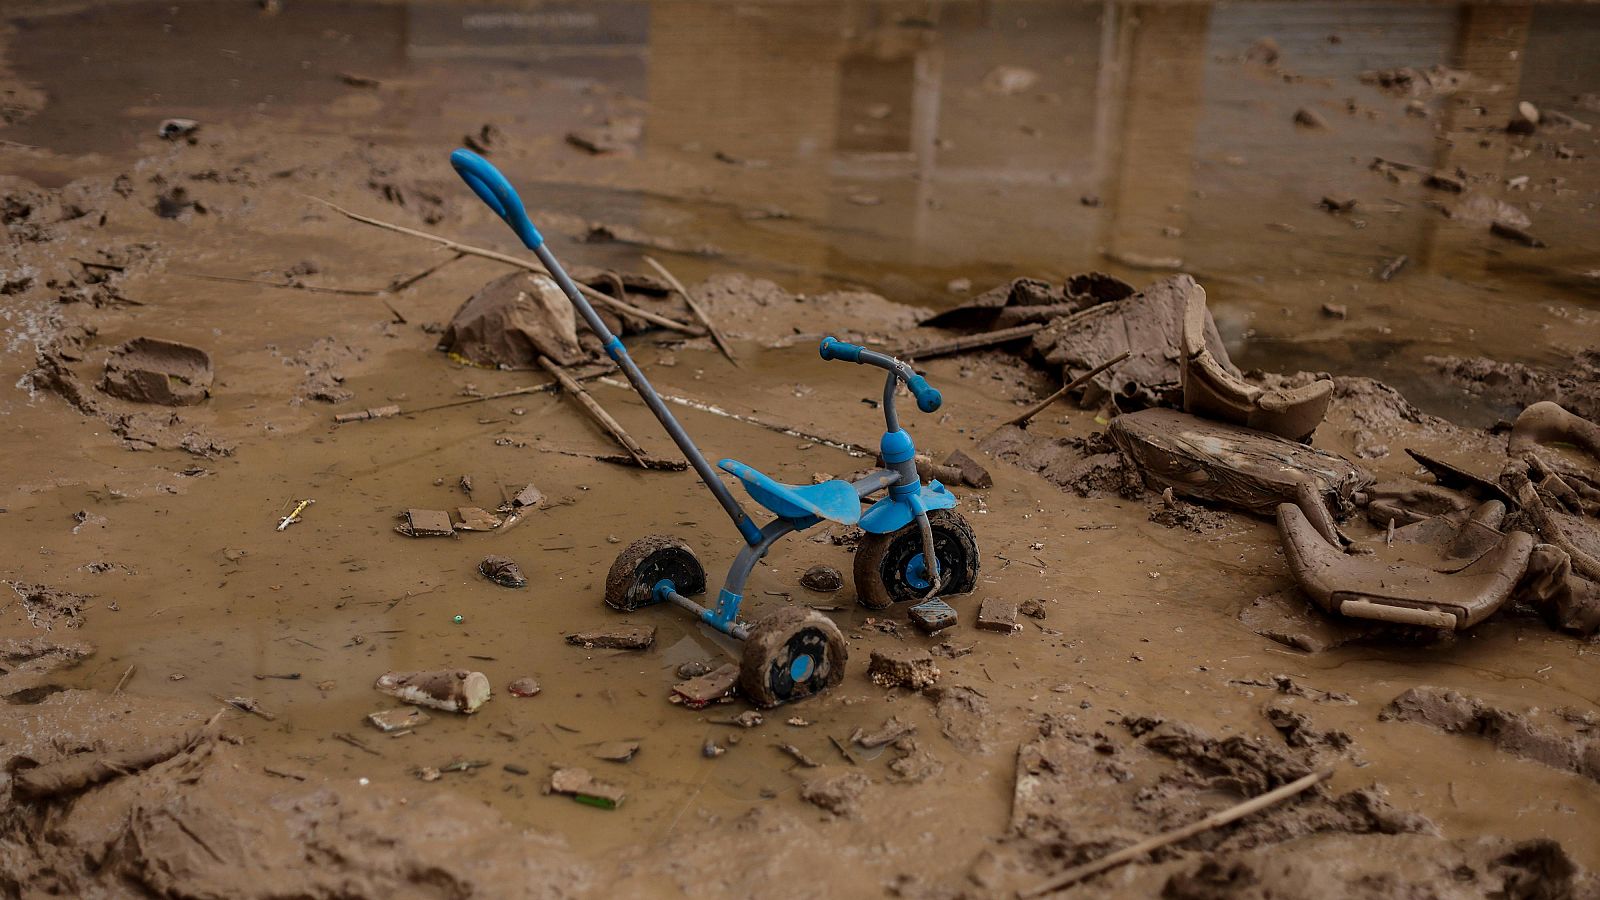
x=646 y=562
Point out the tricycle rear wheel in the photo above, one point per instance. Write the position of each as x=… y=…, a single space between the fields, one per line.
x=791 y=655
x=646 y=562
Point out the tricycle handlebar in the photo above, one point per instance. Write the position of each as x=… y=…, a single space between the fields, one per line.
x=497 y=193
x=928 y=399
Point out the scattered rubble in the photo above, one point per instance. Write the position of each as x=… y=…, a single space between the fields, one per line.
x=902 y=667
x=711 y=687
x=502 y=570
x=620 y=637
x=584 y=788
x=150 y=370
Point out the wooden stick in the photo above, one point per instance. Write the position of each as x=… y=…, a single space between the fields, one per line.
x=1215 y=820
x=1078 y=382
x=694 y=307
x=122 y=681
x=591 y=293
x=291 y=285
x=975 y=341
x=595 y=410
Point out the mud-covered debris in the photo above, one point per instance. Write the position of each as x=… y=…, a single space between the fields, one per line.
x=1033 y=608
x=617 y=135
x=426 y=523
x=475 y=518
x=904 y=667
x=484 y=140
x=511 y=321
x=750 y=718
x=1008 y=80
x=1513 y=233
x=694 y=668
x=890 y=731
x=822 y=579
x=1532 y=735
x=526 y=686
x=620 y=637
x=1524 y=118
x=798 y=755
x=151 y=370
x=615 y=751
x=838 y=792
x=1338 y=204
x=1310 y=118
x=964 y=716
x=1230 y=465
x=711 y=749
x=47 y=607
x=915 y=764
x=973 y=473
x=173 y=129
x=502 y=570
x=39 y=655
x=584 y=788
x=362 y=415
x=404 y=718
x=704 y=690
x=529 y=497
x=452 y=690
x=998 y=614
x=932 y=616
x=78 y=771
x=1299 y=732
x=1335 y=311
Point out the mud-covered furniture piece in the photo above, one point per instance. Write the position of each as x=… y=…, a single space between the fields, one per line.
x=1439 y=575
x=1212 y=389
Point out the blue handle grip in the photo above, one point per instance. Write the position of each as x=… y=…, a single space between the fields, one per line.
x=927 y=395
x=833 y=348
x=497 y=193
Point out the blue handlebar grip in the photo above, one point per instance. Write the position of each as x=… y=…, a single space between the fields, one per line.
x=497 y=193
x=928 y=399
x=833 y=348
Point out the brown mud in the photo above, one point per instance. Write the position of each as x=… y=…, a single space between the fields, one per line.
x=858 y=167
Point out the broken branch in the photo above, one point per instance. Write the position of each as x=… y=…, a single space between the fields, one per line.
x=1076 y=383
x=595 y=410
x=694 y=307
x=1215 y=820
x=591 y=293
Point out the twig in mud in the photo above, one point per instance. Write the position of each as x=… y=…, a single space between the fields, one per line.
x=799 y=755
x=1076 y=383
x=355 y=742
x=98 y=265
x=659 y=463
x=281 y=774
x=1392 y=268
x=122 y=681
x=848 y=447
x=595 y=410
x=246 y=704
x=694 y=307
x=401 y=284
x=591 y=293
x=291 y=285
x=544 y=388
x=1215 y=820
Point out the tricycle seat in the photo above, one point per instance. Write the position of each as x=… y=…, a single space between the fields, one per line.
x=836 y=501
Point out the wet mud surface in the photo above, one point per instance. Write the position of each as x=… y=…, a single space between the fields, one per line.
x=189 y=652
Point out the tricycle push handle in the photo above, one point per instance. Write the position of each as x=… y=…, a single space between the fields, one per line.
x=928 y=398
x=496 y=192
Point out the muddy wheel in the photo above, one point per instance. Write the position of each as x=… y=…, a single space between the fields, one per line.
x=633 y=577
x=889 y=567
x=790 y=655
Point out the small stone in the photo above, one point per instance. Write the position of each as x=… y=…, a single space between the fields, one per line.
x=959 y=285
x=694 y=668
x=1524 y=119
x=1335 y=311
x=1309 y=118
x=908 y=667
x=822 y=579
x=616 y=751
x=1033 y=609
x=429 y=773
x=514 y=769
x=998 y=614
x=622 y=637
x=839 y=794
x=523 y=687
x=887 y=733
x=973 y=474
x=710 y=750
x=502 y=570
x=750 y=718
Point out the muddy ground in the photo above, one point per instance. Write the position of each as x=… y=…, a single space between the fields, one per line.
x=832 y=168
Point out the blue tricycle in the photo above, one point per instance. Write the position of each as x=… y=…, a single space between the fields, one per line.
x=915 y=547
